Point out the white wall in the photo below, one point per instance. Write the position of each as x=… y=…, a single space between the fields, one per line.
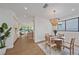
x=42 y=26
x=6 y=16
x=25 y=21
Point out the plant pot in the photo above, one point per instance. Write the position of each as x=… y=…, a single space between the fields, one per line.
x=2 y=44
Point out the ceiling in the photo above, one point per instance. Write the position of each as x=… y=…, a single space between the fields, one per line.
x=63 y=10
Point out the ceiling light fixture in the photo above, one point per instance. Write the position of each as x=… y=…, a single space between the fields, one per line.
x=54 y=21
x=73 y=9
x=25 y=8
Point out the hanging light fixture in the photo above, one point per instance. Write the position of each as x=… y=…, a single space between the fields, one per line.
x=54 y=21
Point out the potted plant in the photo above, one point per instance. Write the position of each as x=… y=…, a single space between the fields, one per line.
x=4 y=33
x=1 y=37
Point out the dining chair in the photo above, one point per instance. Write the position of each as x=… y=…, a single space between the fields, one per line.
x=69 y=46
x=60 y=36
x=47 y=39
x=22 y=35
x=49 y=42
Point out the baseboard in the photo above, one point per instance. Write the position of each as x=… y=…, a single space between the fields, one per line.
x=41 y=41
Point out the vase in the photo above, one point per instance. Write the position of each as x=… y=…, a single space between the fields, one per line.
x=55 y=32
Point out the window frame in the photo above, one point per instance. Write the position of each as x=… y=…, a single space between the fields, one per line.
x=66 y=25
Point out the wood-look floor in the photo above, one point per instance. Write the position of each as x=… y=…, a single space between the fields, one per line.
x=25 y=47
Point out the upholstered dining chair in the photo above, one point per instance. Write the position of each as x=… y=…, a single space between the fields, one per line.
x=60 y=36
x=49 y=42
x=47 y=39
x=69 y=46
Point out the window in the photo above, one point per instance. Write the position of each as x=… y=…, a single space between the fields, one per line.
x=69 y=25
x=72 y=24
x=61 y=25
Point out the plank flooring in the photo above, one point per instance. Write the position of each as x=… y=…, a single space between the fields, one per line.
x=25 y=47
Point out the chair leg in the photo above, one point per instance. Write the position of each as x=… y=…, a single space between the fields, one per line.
x=73 y=51
x=63 y=47
x=45 y=45
x=70 y=51
x=50 y=49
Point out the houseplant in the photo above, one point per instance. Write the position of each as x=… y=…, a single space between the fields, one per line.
x=4 y=33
